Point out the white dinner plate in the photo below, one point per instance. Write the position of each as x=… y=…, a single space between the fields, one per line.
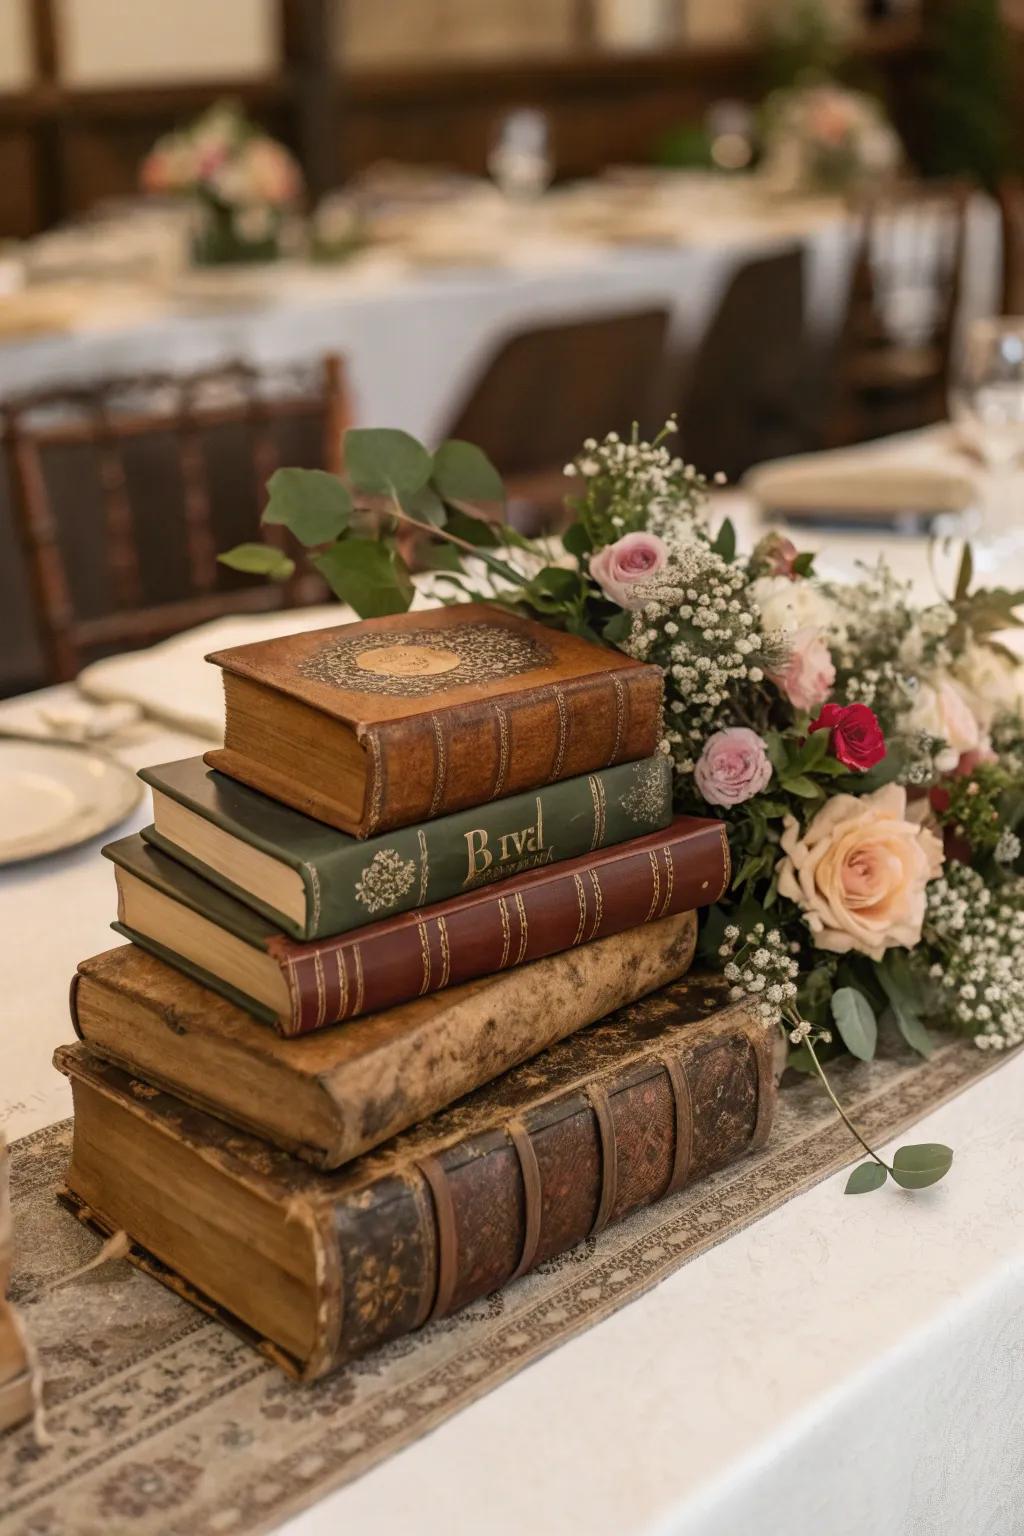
x=56 y=794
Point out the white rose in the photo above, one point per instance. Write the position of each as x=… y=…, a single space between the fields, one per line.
x=792 y=605
x=942 y=711
x=992 y=684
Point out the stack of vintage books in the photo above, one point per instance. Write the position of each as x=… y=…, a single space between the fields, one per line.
x=334 y=1087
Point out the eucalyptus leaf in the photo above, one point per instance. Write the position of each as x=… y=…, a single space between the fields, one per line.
x=367 y=575
x=385 y=461
x=618 y=628
x=310 y=503
x=474 y=530
x=856 y=1022
x=463 y=472
x=864 y=1178
x=425 y=505
x=577 y=540
x=804 y=787
x=901 y=988
x=259 y=560
x=916 y=1167
x=803 y=565
x=813 y=750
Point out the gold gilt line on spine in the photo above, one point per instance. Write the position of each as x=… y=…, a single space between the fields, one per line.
x=670 y=875
x=339 y=957
x=446 y=958
x=377 y=789
x=598 y=797
x=314 y=882
x=726 y=859
x=581 y=897
x=620 y=717
x=294 y=996
x=655 y=884
x=522 y=928
x=357 y=955
x=440 y=766
x=563 y=729
x=598 y=901
x=506 y=935
x=425 y=953
x=424 y=866
x=502 y=721
x=321 y=991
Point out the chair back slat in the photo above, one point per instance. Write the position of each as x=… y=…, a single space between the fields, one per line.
x=172 y=414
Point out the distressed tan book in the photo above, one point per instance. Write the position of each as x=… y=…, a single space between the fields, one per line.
x=332 y=1095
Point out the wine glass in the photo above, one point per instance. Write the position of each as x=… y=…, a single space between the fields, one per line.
x=987 y=403
x=520 y=161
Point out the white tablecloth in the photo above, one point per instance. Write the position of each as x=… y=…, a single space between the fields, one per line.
x=844 y=1367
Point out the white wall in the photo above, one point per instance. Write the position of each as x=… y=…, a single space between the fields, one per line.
x=118 y=42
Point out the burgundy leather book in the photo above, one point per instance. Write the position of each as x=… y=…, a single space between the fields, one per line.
x=185 y=920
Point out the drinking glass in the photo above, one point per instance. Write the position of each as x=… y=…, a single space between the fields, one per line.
x=987 y=403
x=520 y=161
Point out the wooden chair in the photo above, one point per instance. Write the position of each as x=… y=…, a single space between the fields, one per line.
x=1011 y=207
x=124 y=491
x=545 y=389
x=893 y=360
x=741 y=394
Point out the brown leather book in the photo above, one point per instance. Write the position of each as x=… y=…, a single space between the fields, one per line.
x=397 y=720
x=164 y=907
x=333 y=1095
x=321 y=1267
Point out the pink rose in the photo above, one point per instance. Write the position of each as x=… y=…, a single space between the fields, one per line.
x=620 y=567
x=733 y=767
x=808 y=676
x=777 y=555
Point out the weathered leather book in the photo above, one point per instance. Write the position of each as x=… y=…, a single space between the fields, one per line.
x=185 y=920
x=320 y=1267
x=394 y=721
x=340 y=1092
x=314 y=881
x=16 y=1401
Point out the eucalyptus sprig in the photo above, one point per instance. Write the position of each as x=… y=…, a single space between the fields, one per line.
x=349 y=529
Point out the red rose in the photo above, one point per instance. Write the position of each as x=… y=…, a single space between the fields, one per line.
x=856 y=737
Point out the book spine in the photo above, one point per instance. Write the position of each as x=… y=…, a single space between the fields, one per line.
x=477 y=1215
x=417 y=866
x=394 y=962
x=431 y=764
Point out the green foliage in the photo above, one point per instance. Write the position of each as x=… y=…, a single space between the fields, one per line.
x=865 y=1177
x=902 y=988
x=918 y=1166
x=310 y=503
x=970 y=96
x=463 y=472
x=368 y=575
x=855 y=1020
x=386 y=462
x=259 y=560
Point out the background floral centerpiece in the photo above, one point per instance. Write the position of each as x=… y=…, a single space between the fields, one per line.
x=242 y=182
x=823 y=137
x=865 y=753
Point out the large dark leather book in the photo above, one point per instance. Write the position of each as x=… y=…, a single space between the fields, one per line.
x=314 y=881
x=185 y=920
x=397 y=720
x=320 y=1267
x=335 y=1094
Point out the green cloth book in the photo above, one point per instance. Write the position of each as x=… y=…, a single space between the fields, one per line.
x=314 y=882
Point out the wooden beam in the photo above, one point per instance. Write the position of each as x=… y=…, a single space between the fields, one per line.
x=51 y=172
x=308 y=33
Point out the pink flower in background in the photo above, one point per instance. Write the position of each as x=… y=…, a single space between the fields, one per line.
x=620 y=567
x=808 y=676
x=734 y=766
x=779 y=555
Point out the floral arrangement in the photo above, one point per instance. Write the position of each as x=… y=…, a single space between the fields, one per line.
x=866 y=754
x=824 y=138
x=242 y=181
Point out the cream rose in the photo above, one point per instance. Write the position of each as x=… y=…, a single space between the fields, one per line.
x=859 y=872
x=792 y=605
x=992 y=684
x=941 y=710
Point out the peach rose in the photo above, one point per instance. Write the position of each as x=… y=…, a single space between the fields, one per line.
x=807 y=678
x=859 y=872
x=941 y=710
